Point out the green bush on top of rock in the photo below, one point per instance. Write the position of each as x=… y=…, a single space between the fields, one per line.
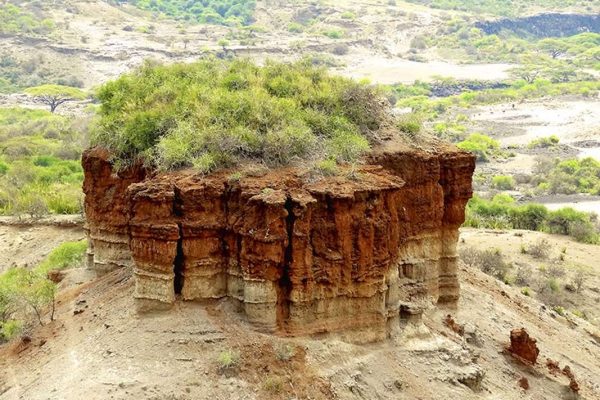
x=212 y=114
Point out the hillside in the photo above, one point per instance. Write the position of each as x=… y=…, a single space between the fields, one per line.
x=100 y=348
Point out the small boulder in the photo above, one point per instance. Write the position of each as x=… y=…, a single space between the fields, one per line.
x=523 y=346
x=524 y=383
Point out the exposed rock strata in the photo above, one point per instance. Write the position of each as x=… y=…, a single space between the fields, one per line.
x=297 y=258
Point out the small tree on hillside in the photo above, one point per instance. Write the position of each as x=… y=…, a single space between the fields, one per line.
x=529 y=73
x=55 y=95
x=554 y=47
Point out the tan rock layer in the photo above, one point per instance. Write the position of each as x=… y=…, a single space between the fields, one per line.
x=299 y=258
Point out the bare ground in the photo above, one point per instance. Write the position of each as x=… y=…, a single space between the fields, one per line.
x=26 y=243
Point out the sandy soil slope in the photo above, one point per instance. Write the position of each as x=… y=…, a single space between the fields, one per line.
x=23 y=243
x=564 y=252
x=99 y=348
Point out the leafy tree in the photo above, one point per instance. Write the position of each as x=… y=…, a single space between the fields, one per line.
x=554 y=47
x=529 y=73
x=55 y=95
x=29 y=289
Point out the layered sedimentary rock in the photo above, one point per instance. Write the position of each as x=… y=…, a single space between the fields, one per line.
x=107 y=212
x=342 y=253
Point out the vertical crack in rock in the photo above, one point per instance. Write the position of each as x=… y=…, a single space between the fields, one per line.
x=178 y=262
x=285 y=283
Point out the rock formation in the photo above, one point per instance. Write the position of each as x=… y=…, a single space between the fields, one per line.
x=523 y=346
x=339 y=254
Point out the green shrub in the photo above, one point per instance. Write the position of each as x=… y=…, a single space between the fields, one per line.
x=544 y=142
x=410 y=124
x=503 y=182
x=568 y=221
x=24 y=293
x=228 y=359
x=10 y=329
x=66 y=255
x=334 y=33
x=501 y=212
x=559 y=310
x=528 y=216
x=295 y=27
x=213 y=114
x=484 y=147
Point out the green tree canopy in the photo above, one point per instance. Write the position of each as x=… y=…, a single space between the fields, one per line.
x=55 y=95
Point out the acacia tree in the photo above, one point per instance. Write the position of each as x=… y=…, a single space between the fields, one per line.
x=554 y=47
x=55 y=95
x=529 y=73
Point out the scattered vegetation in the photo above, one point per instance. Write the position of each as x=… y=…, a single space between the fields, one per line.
x=20 y=71
x=544 y=142
x=504 y=7
x=503 y=182
x=556 y=176
x=555 y=59
x=219 y=12
x=40 y=169
x=501 y=212
x=25 y=294
x=15 y=20
x=484 y=147
x=213 y=114
x=417 y=97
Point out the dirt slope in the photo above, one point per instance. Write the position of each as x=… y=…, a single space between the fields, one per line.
x=26 y=244
x=107 y=351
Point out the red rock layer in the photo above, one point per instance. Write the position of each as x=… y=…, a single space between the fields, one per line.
x=106 y=210
x=299 y=258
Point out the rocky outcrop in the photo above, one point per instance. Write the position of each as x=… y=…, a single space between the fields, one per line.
x=544 y=25
x=106 y=210
x=342 y=254
x=523 y=346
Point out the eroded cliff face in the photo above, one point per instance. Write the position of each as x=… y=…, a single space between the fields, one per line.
x=341 y=254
